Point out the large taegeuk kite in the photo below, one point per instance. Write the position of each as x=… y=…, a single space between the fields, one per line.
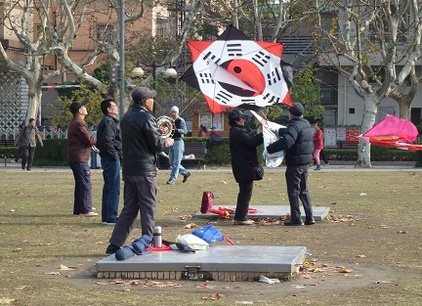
x=236 y=71
x=394 y=133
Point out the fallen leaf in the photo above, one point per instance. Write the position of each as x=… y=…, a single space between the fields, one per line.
x=65 y=268
x=212 y=297
x=4 y=301
x=191 y=225
x=21 y=287
x=52 y=273
x=17 y=250
x=361 y=256
x=344 y=270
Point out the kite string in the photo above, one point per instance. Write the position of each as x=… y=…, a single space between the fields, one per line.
x=191 y=101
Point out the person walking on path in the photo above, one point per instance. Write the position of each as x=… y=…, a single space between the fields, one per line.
x=297 y=142
x=318 y=145
x=177 y=150
x=109 y=143
x=141 y=142
x=27 y=142
x=243 y=159
x=79 y=142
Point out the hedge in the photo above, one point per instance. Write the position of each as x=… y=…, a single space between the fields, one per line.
x=55 y=151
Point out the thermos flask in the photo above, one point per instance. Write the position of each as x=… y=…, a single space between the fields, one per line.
x=157 y=236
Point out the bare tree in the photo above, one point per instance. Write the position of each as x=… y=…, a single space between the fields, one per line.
x=36 y=43
x=376 y=45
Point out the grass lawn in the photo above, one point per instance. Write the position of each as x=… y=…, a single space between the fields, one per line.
x=369 y=253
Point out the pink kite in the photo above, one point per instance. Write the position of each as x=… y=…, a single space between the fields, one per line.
x=394 y=133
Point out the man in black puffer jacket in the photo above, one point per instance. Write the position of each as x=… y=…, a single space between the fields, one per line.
x=297 y=141
x=141 y=141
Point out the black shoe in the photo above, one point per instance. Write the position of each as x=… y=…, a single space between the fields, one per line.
x=310 y=222
x=112 y=248
x=185 y=177
x=293 y=223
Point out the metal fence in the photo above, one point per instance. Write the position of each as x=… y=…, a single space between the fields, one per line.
x=12 y=133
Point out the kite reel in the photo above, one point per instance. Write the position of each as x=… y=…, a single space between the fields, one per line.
x=166 y=124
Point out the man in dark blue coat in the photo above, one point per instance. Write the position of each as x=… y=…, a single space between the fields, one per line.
x=243 y=159
x=297 y=141
x=109 y=143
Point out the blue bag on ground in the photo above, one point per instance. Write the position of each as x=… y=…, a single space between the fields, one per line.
x=137 y=247
x=209 y=233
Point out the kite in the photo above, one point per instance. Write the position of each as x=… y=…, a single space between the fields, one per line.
x=235 y=71
x=394 y=133
x=275 y=159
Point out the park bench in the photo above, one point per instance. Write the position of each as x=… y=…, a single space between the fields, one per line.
x=347 y=145
x=196 y=149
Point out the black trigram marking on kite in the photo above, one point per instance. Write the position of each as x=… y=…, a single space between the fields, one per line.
x=234 y=50
x=211 y=57
x=248 y=101
x=271 y=99
x=205 y=78
x=261 y=58
x=274 y=77
x=223 y=96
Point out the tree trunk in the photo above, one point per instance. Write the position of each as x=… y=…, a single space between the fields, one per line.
x=34 y=100
x=368 y=120
x=404 y=108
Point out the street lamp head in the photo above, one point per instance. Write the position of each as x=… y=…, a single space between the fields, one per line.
x=170 y=73
x=137 y=72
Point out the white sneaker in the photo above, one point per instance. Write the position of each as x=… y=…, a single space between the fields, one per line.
x=246 y=222
x=88 y=214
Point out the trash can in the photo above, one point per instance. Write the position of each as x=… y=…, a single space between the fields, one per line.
x=95 y=160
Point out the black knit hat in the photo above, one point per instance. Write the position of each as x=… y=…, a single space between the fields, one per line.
x=297 y=109
x=236 y=115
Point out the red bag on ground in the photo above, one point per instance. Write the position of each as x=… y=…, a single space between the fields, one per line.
x=206 y=203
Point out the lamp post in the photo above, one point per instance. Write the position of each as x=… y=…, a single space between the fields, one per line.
x=138 y=73
x=122 y=58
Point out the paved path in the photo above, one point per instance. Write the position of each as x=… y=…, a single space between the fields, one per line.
x=335 y=166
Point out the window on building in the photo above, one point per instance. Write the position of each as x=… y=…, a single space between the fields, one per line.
x=209 y=121
x=351 y=110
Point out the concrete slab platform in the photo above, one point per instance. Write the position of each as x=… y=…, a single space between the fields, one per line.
x=220 y=263
x=271 y=211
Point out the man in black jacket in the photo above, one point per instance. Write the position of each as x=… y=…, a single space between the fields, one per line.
x=243 y=159
x=109 y=143
x=297 y=141
x=141 y=141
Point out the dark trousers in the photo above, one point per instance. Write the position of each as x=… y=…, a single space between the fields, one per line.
x=297 y=188
x=139 y=196
x=19 y=153
x=243 y=198
x=83 y=188
x=323 y=157
x=111 y=189
x=28 y=157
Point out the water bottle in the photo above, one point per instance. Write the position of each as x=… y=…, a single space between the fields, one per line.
x=157 y=236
